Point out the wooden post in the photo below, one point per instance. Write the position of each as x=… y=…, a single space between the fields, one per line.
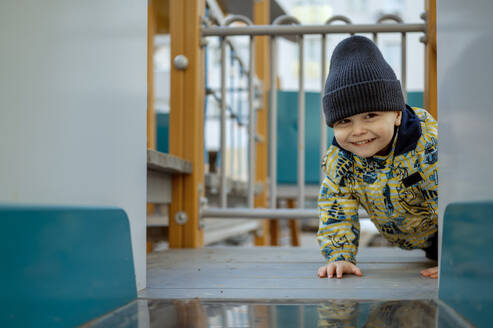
x=151 y=115
x=430 y=90
x=186 y=126
x=261 y=16
x=151 y=31
x=294 y=227
x=275 y=232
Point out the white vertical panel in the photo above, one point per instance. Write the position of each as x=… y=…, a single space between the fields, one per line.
x=465 y=103
x=73 y=106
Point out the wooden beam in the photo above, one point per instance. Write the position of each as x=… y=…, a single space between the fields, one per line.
x=294 y=226
x=275 y=233
x=187 y=121
x=261 y=14
x=430 y=90
x=161 y=9
x=151 y=120
x=151 y=113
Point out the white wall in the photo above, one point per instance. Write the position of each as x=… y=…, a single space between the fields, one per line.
x=465 y=111
x=73 y=106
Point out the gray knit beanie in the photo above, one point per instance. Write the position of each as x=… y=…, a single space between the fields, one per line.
x=359 y=81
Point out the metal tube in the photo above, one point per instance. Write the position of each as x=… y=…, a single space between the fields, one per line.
x=263 y=213
x=275 y=30
x=230 y=119
x=223 y=196
x=301 y=128
x=273 y=124
x=404 y=68
x=251 y=127
x=323 y=128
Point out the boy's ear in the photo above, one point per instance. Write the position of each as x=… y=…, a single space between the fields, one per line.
x=398 y=118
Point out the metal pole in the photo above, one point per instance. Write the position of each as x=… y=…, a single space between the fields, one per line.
x=251 y=126
x=231 y=126
x=399 y=21
x=275 y=30
x=273 y=124
x=404 y=68
x=223 y=196
x=323 y=128
x=301 y=128
x=263 y=213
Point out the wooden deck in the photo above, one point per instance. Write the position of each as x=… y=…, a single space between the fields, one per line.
x=281 y=273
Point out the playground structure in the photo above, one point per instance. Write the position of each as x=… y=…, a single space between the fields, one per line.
x=86 y=265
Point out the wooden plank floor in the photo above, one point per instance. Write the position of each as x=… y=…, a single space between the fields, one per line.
x=282 y=273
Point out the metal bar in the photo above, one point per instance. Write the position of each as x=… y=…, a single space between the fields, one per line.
x=273 y=125
x=323 y=128
x=251 y=125
x=264 y=213
x=223 y=196
x=403 y=67
x=275 y=30
x=301 y=128
x=231 y=126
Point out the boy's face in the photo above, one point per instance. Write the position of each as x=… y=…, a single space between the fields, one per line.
x=367 y=134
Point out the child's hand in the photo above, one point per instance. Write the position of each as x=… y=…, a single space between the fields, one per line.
x=430 y=273
x=338 y=268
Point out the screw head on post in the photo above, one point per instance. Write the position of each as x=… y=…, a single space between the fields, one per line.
x=181 y=218
x=181 y=62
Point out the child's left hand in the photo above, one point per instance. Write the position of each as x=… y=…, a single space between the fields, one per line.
x=431 y=272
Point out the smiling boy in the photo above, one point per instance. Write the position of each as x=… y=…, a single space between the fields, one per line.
x=383 y=158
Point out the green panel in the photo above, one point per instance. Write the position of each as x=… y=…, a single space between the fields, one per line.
x=466 y=268
x=415 y=99
x=287 y=137
x=63 y=266
x=162 y=132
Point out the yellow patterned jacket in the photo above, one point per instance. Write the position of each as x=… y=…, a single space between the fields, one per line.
x=399 y=191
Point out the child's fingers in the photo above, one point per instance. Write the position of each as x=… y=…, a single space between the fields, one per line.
x=322 y=271
x=430 y=272
x=340 y=270
x=357 y=271
x=331 y=270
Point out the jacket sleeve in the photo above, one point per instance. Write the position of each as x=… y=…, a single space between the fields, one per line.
x=338 y=233
x=428 y=150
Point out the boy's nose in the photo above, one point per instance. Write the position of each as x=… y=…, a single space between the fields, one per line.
x=358 y=129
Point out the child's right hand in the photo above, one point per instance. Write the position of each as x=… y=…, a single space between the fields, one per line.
x=338 y=268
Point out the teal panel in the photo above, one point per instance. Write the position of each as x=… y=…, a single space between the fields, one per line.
x=63 y=266
x=287 y=137
x=162 y=132
x=415 y=99
x=289 y=315
x=466 y=268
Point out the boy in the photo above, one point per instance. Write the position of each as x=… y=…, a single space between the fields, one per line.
x=383 y=157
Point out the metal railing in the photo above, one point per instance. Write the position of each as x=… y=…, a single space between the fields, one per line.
x=282 y=26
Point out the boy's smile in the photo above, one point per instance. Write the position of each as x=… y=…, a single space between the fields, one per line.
x=367 y=134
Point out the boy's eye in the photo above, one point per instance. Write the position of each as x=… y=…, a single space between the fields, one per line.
x=343 y=121
x=371 y=115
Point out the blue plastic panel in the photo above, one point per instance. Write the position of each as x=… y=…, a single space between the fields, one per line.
x=63 y=266
x=287 y=137
x=162 y=132
x=466 y=271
